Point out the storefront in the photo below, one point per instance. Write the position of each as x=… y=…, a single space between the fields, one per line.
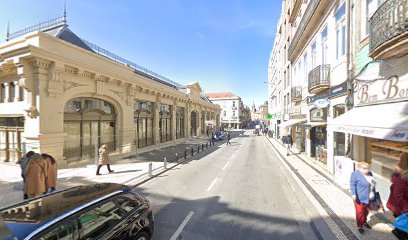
x=297 y=129
x=378 y=124
x=11 y=129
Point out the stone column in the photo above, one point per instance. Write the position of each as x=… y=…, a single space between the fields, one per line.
x=6 y=97
x=187 y=123
x=173 y=122
x=156 y=122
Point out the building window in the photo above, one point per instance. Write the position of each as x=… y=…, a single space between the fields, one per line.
x=165 y=123
x=314 y=55
x=225 y=113
x=233 y=113
x=233 y=103
x=2 y=93
x=371 y=7
x=180 y=122
x=12 y=92
x=305 y=67
x=340 y=31
x=143 y=119
x=87 y=128
x=324 y=46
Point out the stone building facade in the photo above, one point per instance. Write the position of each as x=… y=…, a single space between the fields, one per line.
x=62 y=95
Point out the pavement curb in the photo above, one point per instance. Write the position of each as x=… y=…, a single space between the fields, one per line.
x=321 y=227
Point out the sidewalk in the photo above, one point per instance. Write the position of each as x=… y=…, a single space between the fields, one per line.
x=130 y=170
x=333 y=202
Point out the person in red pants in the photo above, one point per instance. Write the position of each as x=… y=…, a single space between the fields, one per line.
x=362 y=186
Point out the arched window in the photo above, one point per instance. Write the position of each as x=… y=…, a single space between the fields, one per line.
x=88 y=123
x=143 y=120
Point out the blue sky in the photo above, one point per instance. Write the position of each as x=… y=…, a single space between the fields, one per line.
x=225 y=45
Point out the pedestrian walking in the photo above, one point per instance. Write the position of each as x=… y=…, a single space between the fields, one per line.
x=362 y=186
x=228 y=138
x=208 y=132
x=36 y=174
x=398 y=201
x=288 y=141
x=51 y=181
x=23 y=161
x=103 y=158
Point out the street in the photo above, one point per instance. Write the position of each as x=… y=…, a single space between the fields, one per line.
x=236 y=192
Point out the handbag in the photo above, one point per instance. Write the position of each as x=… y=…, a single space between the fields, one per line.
x=402 y=222
x=376 y=204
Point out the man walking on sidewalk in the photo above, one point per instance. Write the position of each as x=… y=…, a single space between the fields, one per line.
x=228 y=138
x=287 y=140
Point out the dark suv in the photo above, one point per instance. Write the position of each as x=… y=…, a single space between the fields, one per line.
x=99 y=211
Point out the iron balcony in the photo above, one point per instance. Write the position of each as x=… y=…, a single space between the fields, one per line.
x=296 y=94
x=319 y=78
x=388 y=30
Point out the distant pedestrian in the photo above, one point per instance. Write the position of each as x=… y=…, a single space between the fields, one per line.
x=362 y=186
x=208 y=132
x=23 y=161
x=103 y=158
x=51 y=182
x=36 y=175
x=398 y=200
x=228 y=138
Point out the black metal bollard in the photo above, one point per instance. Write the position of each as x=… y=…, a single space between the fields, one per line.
x=177 y=158
x=202 y=147
x=198 y=149
x=185 y=154
x=192 y=151
x=206 y=145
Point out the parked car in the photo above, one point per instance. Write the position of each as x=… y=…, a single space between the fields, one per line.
x=218 y=136
x=97 y=211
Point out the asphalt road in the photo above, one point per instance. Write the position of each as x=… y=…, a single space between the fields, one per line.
x=236 y=192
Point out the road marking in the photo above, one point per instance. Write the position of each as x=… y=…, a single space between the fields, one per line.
x=225 y=166
x=180 y=228
x=212 y=184
x=233 y=155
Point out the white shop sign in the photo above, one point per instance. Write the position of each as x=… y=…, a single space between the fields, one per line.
x=380 y=133
x=381 y=83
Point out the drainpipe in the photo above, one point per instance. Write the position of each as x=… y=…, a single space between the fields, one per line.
x=349 y=101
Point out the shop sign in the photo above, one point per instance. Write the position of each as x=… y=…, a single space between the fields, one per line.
x=318 y=115
x=380 y=133
x=392 y=89
x=321 y=95
x=294 y=110
x=338 y=90
x=277 y=115
x=321 y=103
x=210 y=123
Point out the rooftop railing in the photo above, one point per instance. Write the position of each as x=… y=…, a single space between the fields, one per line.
x=39 y=27
x=138 y=68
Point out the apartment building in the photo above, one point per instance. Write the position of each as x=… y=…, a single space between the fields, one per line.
x=344 y=93
x=231 y=108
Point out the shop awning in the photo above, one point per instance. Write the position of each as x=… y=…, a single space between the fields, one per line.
x=292 y=122
x=314 y=124
x=383 y=121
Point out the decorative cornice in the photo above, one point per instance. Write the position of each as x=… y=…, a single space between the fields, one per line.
x=68 y=85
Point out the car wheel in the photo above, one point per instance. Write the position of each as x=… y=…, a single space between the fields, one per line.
x=142 y=236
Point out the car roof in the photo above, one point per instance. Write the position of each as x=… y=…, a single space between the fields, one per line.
x=23 y=218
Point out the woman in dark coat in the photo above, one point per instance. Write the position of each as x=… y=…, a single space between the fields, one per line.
x=398 y=201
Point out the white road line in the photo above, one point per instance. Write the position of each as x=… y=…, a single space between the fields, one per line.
x=212 y=184
x=233 y=155
x=225 y=166
x=180 y=228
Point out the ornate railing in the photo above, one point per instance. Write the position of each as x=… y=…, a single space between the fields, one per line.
x=319 y=77
x=136 y=67
x=296 y=93
x=389 y=21
x=39 y=27
x=310 y=10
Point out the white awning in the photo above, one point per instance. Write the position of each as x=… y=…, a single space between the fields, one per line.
x=315 y=124
x=383 y=121
x=292 y=122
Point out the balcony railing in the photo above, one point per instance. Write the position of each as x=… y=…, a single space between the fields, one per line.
x=310 y=10
x=296 y=94
x=319 y=78
x=388 y=26
x=39 y=27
